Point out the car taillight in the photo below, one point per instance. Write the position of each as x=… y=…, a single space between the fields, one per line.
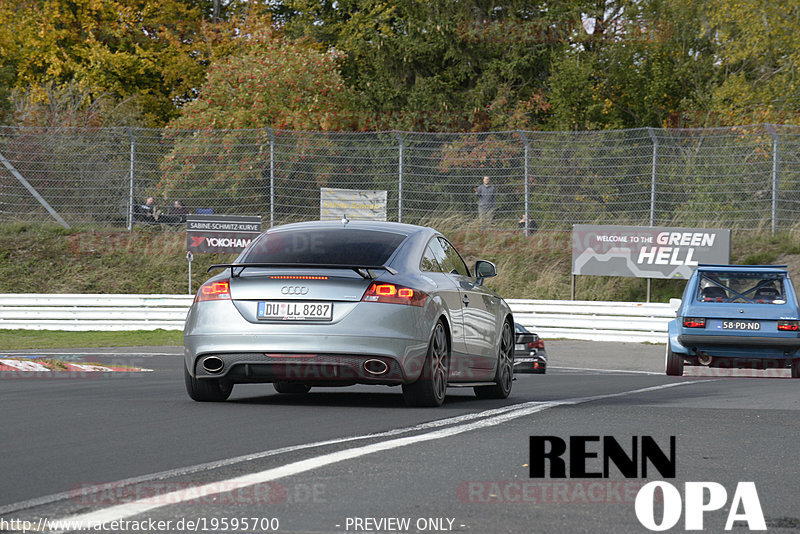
x=694 y=322
x=394 y=294
x=791 y=326
x=538 y=344
x=214 y=290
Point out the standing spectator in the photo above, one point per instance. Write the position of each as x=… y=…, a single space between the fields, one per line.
x=486 y=201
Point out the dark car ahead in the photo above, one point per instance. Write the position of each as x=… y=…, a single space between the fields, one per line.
x=353 y=302
x=530 y=355
x=736 y=316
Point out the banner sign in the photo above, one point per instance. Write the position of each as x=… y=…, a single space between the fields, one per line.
x=335 y=204
x=225 y=234
x=646 y=252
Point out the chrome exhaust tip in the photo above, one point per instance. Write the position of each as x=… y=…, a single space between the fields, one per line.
x=704 y=359
x=213 y=364
x=376 y=367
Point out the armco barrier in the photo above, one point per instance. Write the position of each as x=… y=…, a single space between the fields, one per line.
x=595 y=321
x=93 y=312
x=551 y=319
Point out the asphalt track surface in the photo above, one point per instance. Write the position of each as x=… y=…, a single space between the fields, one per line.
x=135 y=448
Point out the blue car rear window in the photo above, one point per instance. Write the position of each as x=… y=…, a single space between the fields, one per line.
x=325 y=246
x=741 y=287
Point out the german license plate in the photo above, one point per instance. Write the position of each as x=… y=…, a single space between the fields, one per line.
x=519 y=346
x=295 y=311
x=740 y=325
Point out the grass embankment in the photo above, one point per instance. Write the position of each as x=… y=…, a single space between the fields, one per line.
x=46 y=259
x=49 y=339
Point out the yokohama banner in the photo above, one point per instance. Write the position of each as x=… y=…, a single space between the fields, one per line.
x=226 y=234
x=646 y=252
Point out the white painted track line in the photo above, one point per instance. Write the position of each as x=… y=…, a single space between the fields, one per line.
x=126 y=510
x=608 y=371
x=162 y=475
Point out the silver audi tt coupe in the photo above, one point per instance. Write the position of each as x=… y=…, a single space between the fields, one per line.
x=337 y=303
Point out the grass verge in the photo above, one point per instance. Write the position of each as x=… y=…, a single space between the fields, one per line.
x=47 y=259
x=52 y=339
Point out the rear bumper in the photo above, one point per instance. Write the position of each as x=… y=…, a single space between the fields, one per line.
x=749 y=348
x=311 y=369
x=733 y=362
x=748 y=341
x=392 y=333
x=534 y=363
x=314 y=358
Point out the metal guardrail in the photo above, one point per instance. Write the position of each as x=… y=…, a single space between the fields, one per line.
x=551 y=319
x=596 y=321
x=80 y=312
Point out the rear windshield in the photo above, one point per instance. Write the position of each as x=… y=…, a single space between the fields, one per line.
x=756 y=288
x=325 y=246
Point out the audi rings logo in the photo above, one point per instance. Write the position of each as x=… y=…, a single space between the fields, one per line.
x=294 y=290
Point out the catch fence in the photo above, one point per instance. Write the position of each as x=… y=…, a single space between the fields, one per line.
x=745 y=177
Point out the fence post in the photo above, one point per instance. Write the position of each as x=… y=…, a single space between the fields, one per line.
x=526 y=173
x=271 y=177
x=776 y=151
x=131 y=178
x=653 y=171
x=399 y=175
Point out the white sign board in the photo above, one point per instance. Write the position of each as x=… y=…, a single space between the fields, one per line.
x=335 y=204
x=646 y=252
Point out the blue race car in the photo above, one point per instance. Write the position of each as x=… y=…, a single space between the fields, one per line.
x=736 y=316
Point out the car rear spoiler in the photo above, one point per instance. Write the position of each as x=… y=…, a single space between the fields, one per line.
x=739 y=266
x=362 y=270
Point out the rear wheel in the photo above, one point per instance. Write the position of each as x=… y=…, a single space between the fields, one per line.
x=673 y=362
x=429 y=389
x=291 y=388
x=504 y=376
x=209 y=390
x=796 y=368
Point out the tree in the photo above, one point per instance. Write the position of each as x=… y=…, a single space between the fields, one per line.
x=632 y=64
x=152 y=53
x=443 y=64
x=274 y=84
x=758 y=50
x=69 y=106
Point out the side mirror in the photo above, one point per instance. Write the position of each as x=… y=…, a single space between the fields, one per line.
x=484 y=269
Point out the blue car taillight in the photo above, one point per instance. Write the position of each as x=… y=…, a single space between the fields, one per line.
x=694 y=322
x=789 y=326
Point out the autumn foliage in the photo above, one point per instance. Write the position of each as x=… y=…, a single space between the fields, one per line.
x=276 y=84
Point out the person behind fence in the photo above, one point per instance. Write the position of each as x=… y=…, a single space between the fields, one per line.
x=145 y=212
x=526 y=223
x=178 y=212
x=486 y=201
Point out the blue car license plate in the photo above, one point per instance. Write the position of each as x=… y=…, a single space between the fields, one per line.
x=294 y=311
x=740 y=325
